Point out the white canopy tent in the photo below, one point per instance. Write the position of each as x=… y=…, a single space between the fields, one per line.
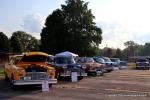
x=66 y=53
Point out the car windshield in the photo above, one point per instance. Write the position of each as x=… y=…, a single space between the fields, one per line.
x=50 y=59
x=106 y=59
x=18 y=58
x=99 y=60
x=34 y=58
x=142 y=60
x=64 y=60
x=89 y=60
x=115 y=60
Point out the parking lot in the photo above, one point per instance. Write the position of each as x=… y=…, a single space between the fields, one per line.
x=120 y=84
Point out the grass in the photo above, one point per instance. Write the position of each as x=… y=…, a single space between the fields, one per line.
x=1 y=72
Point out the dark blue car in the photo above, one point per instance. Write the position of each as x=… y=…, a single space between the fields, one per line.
x=65 y=65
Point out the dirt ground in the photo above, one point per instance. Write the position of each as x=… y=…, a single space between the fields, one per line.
x=117 y=85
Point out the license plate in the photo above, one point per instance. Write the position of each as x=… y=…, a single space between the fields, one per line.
x=27 y=78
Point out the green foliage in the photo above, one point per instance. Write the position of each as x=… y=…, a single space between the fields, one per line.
x=119 y=53
x=1 y=72
x=130 y=48
x=146 y=49
x=23 y=42
x=71 y=28
x=16 y=45
x=4 y=43
x=109 y=52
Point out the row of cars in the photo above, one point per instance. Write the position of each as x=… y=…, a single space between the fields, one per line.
x=34 y=67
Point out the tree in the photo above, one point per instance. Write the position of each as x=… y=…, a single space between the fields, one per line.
x=23 y=42
x=108 y=52
x=4 y=43
x=130 y=48
x=71 y=28
x=146 y=49
x=119 y=53
x=16 y=45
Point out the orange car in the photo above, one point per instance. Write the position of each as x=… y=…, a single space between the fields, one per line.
x=29 y=69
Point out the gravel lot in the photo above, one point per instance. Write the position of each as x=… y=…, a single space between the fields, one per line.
x=117 y=85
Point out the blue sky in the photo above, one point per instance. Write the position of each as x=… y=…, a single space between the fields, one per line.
x=120 y=20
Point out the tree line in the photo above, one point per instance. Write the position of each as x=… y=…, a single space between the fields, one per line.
x=131 y=49
x=19 y=42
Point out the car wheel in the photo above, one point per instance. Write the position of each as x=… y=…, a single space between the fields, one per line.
x=80 y=77
x=50 y=85
x=6 y=78
x=109 y=71
x=12 y=86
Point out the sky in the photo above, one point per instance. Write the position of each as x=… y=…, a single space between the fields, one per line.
x=120 y=20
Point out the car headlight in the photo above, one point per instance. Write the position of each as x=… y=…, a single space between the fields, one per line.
x=64 y=66
x=20 y=71
x=83 y=67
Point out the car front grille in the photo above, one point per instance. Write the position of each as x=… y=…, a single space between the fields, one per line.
x=142 y=64
x=37 y=75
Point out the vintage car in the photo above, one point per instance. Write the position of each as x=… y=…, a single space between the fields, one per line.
x=109 y=64
x=92 y=67
x=116 y=62
x=142 y=63
x=65 y=65
x=29 y=69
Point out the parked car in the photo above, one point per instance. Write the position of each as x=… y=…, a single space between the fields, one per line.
x=142 y=63
x=123 y=65
x=100 y=61
x=92 y=67
x=109 y=65
x=65 y=65
x=116 y=62
x=29 y=69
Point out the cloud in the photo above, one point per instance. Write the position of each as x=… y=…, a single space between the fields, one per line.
x=6 y=31
x=33 y=24
x=115 y=35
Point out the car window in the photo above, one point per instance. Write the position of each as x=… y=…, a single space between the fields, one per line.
x=80 y=60
x=50 y=59
x=17 y=59
x=89 y=60
x=99 y=60
x=107 y=59
x=64 y=60
x=11 y=61
x=141 y=60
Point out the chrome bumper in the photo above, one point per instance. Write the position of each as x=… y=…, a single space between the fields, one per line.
x=33 y=82
x=69 y=74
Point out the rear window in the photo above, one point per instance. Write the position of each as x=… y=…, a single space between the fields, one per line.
x=34 y=58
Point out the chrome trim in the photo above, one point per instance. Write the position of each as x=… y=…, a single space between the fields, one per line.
x=33 y=82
